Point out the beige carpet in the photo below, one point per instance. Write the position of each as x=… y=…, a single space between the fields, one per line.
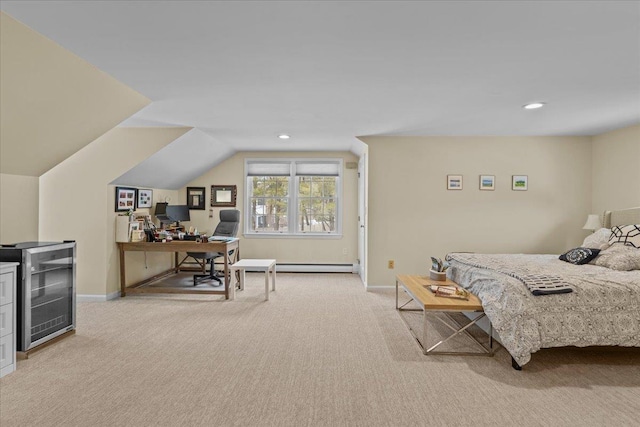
x=320 y=352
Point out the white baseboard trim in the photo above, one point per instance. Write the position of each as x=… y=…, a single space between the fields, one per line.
x=97 y=298
x=316 y=268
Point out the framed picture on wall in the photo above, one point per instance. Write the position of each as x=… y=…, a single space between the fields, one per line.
x=454 y=182
x=487 y=182
x=520 y=183
x=223 y=195
x=195 y=197
x=125 y=199
x=145 y=198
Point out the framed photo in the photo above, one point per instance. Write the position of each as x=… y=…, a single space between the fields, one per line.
x=487 y=182
x=520 y=182
x=145 y=198
x=223 y=195
x=195 y=197
x=125 y=199
x=454 y=182
x=133 y=227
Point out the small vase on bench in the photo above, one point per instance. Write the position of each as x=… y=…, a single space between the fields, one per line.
x=438 y=275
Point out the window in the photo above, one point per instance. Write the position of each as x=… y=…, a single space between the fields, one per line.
x=293 y=197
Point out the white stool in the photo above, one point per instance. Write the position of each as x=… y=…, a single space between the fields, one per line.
x=266 y=265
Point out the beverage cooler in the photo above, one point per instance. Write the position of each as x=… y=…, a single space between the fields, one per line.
x=46 y=290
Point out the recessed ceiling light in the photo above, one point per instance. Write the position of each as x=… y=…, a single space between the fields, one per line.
x=533 y=105
x=283 y=136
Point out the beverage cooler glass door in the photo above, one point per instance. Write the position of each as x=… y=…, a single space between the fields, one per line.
x=51 y=282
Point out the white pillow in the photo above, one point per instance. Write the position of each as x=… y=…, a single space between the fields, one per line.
x=598 y=240
x=619 y=257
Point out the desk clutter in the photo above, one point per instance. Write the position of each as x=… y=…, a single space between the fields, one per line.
x=140 y=228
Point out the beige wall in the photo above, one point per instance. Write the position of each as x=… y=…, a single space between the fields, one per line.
x=285 y=250
x=412 y=215
x=18 y=208
x=76 y=201
x=53 y=103
x=616 y=170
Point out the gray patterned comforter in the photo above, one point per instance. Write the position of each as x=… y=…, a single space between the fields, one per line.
x=603 y=309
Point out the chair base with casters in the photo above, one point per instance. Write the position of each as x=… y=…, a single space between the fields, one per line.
x=227 y=227
x=212 y=272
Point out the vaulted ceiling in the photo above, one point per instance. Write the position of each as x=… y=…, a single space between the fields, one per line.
x=52 y=103
x=327 y=72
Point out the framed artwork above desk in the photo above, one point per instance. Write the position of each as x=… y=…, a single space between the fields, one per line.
x=125 y=199
x=145 y=198
x=223 y=195
x=195 y=197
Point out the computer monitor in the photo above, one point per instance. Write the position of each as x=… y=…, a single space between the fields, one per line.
x=161 y=213
x=161 y=208
x=177 y=213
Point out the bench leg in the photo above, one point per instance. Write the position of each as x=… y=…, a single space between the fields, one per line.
x=232 y=287
x=273 y=278
x=266 y=284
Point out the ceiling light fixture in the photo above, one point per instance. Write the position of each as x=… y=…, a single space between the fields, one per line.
x=283 y=136
x=533 y=105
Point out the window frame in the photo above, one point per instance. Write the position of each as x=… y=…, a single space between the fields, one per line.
x=293 y=199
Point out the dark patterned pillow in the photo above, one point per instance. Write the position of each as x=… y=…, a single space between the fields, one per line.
x=579 y=256
x=626 y=234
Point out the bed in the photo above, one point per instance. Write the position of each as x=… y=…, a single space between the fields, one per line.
x=597 y=306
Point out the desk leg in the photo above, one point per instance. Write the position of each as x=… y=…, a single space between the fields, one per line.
x=176 y=266
x=123 y=282
x=226 y=274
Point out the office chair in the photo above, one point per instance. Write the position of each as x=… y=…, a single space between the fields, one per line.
x=227 y=227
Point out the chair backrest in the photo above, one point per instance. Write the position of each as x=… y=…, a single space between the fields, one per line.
x=229 y=222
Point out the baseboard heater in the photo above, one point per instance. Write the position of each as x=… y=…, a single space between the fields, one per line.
x=315 y=268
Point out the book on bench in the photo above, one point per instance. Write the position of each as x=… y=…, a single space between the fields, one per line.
x=449 y=292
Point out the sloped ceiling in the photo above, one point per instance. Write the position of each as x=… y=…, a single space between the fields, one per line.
x=327 y=72
x=183 y=160
x=52 y=102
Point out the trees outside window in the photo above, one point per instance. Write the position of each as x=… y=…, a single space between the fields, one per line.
x=305 y=190
x=316 y=203
x=269 y=203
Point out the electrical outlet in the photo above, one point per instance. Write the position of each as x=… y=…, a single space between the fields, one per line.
x=344 y=251
x=392 y=264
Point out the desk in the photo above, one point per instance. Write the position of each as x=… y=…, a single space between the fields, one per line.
x=176 y=246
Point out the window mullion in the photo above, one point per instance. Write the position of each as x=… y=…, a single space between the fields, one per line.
x=293 y=199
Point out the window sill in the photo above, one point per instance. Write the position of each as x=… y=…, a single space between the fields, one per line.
x=291 y=236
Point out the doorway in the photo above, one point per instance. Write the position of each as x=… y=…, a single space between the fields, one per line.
x=363 y=211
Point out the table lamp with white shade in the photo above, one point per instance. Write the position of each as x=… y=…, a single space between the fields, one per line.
x=593 y=223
